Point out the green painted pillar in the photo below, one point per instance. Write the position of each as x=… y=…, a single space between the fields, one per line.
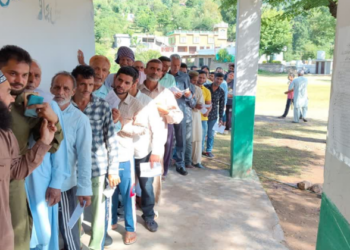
x=246 y=72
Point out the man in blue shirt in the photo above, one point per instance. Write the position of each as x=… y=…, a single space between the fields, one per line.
x=79 y=141
x=185 y=99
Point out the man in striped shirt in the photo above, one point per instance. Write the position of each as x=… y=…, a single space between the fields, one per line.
x=104 y=152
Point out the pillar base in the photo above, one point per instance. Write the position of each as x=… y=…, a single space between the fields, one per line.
x=242 y=135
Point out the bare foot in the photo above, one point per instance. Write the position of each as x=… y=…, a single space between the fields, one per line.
x=114 y=227
x=130 y=238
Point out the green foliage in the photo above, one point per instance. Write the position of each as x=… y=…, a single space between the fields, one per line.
x=224 y=56
x=145 y=55
x=293 y=8
x=275 y=34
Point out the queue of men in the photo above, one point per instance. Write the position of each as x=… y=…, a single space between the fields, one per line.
x=94 y=132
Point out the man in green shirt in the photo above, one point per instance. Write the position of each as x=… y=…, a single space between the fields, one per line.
x=15 y=64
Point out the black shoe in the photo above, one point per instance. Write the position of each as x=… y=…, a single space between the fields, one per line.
x=281 y=117
x=108 y=240
x=210 y=155
x=204 y=153
x=198 y=165
x=152 y=226
x=182 y=171
x=304 y=120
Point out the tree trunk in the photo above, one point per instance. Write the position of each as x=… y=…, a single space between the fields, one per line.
x=333 y=6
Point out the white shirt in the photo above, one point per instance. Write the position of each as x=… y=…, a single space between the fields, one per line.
x=152 y=140
x=134 y=124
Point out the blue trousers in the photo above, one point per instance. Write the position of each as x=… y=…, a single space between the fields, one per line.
x=208 y=131
x=127 y=191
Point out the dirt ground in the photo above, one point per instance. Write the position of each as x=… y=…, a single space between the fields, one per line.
x=289 y=153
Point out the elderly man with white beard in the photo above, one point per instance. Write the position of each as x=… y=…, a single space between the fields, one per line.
x=79 y=141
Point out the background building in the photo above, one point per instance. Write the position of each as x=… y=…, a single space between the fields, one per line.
x=189 y=42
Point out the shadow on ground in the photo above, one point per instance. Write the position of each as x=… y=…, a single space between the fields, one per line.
x=208 y=210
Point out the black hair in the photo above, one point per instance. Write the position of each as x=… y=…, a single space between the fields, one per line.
x=219 y=74
x=164 y=59
x=129 y=71
x=219 y=68
x=205 y=67
x=201 y=72
x=194 y=66
x=85 y=71
x=183 y=65
x=212 y=73
x=13 y=52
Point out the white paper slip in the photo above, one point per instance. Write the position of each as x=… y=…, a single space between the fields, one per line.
x=207 y=106
x=108 y=191
x=204 y=111
x=147 y=171
x=113 y=100
x=219 y=128
x=79 y=210
x=175 y=89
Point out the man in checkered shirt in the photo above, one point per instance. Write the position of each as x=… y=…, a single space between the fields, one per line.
x=105 y=164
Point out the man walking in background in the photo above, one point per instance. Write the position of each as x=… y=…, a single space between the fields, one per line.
x=299 y=86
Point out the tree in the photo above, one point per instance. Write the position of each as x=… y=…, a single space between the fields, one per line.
x=146 y=20
x=145 y=55
x=275 y=34
x=224 y=56
x=293 y=8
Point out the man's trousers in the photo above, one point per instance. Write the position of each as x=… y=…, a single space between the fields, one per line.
x=67 y=205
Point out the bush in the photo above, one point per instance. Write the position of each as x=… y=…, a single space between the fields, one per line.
x=276 y=62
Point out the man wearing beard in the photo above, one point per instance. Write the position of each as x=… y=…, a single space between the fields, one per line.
x=167 y=80
x=125 y=57
x=14 y=166
x=78 y=186
x=15 y=64
x=101 y=67
x=134 y=123
x=104 y=150
x=186 y=102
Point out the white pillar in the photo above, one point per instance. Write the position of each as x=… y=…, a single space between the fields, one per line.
x=243 y=106
x=334 y=228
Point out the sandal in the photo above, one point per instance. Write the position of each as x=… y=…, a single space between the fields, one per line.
x=131 y=237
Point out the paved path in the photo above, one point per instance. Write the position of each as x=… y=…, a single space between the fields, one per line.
x=208 y=210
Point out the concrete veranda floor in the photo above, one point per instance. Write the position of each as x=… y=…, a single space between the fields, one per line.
x=208 y=210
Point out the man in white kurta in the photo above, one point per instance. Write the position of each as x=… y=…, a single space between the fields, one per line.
x=299 y=86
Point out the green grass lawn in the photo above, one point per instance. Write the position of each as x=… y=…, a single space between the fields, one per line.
x=282 y=149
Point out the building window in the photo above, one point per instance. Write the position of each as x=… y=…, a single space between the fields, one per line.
x=202 y=47
x=201 y=62
x=196 y=39
x=182 y=49
x=183 y=39
x=222 y=33
x=193 y=49
x=210 y=40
